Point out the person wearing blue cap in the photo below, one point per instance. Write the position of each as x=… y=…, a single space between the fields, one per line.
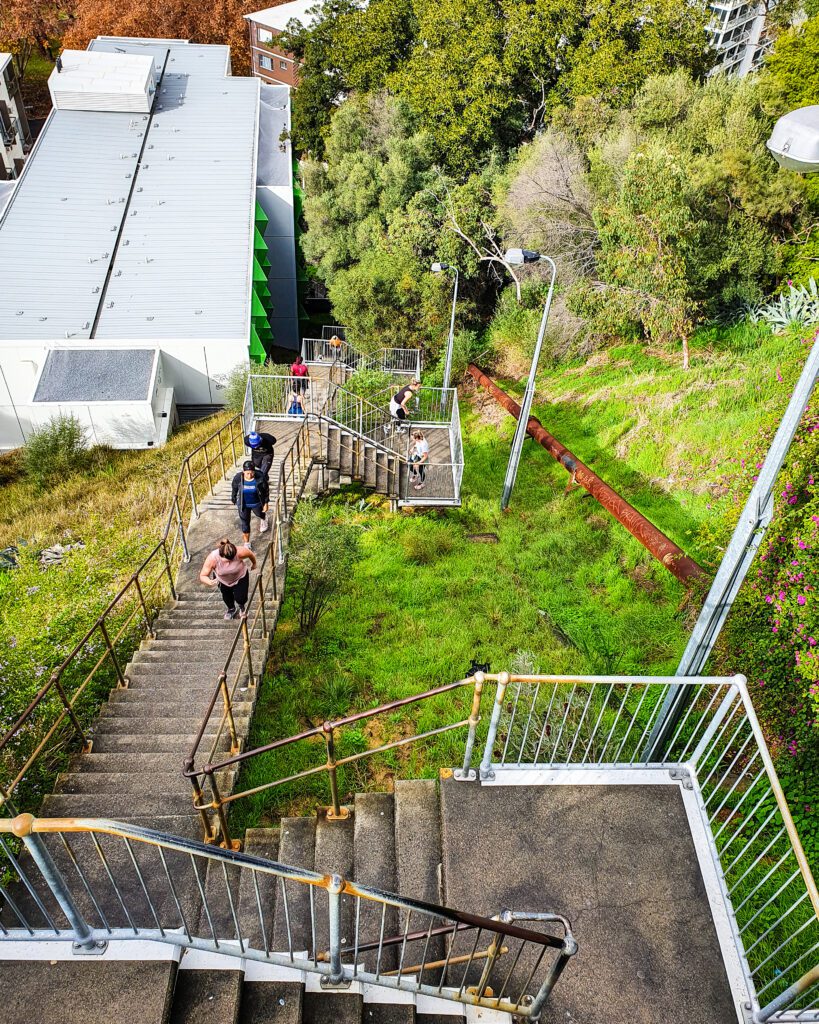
x=261 y=451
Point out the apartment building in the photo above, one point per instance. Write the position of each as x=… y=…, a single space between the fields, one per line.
x=272 y=63
x=739 y=35
x=15 y=137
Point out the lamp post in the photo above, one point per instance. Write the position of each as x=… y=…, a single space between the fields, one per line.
x=439 y=268
x=517 y=257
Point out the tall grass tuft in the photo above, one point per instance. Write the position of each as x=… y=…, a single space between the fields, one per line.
x=56 y=450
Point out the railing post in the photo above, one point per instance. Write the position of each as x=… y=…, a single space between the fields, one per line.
x=497 y=708
x=57 y=684
x=234 y=739
x=83 y=936
x=336 y=976
x=123 y=682
x=251 y=679
x=466 y=773
x=191 y=490
x=222 y=454
x=233 y=440
x=786 y=998
x=561 y=960
x=168 y=567
x=199 y=804
x=207 y=466
x=148 y=621
x=227 y=843
x=262 y=594
x=336 y=812
x=186 y=555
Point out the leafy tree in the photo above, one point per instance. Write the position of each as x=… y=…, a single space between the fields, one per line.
x=792 y=66
x=218 y=22
x=456 y=81
x=29 y=25
x=322 y=557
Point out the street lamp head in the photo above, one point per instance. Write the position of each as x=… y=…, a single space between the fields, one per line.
x=517 y=257
x=794 y=141
x=437 y=268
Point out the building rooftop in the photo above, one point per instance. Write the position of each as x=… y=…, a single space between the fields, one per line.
x=138 y=226
x=96 y=375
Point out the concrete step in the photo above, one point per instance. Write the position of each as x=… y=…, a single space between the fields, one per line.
x=376 y=865
x=119 y=806
x=123 y=762
x=140 y=702
x=393 y=1013
x=271 y=1002
x=331 y=1008
x=87 y=990
x=207 y=997
x=418 y=839
x=171 y=781
x=259 y=842
x=145 y=744
x=297 y=847
x=199 y=677
x=194 y=655
x=335 y=855
x=122 y=725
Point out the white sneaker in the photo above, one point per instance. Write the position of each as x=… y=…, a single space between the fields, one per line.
x=264 y=526
x=248 y=544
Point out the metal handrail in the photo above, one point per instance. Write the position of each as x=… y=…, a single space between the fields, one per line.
x=197 y=474
x=593 y=722
x=156 y=878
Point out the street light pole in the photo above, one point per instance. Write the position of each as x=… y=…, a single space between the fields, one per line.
x=438 y=268
x=517 y=257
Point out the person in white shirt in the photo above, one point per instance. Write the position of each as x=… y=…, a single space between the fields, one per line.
x=419 y=459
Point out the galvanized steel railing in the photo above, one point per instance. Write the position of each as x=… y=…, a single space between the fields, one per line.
x=93 y=882
x=59 y=715
x=405 y=361
x=589 y=723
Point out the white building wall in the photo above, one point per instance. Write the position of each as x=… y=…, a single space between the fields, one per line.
x=195 y=373
x=15 y=138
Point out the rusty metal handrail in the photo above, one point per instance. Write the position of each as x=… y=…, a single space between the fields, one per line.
x=164 y=559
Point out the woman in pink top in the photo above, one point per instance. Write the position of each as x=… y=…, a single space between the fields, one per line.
x=225 y=567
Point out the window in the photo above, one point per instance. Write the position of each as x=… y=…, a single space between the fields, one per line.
x=265 y=62
x=265 y=35
x=283 y=65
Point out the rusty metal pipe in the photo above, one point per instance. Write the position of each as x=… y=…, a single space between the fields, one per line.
x=664 y=550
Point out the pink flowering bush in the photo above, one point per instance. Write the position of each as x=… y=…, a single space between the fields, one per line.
x=772 y=633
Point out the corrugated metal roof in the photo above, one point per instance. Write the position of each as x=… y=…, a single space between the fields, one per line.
x=182 y=267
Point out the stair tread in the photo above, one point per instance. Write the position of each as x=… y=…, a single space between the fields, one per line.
x=297 y=846
x=206 y=997
x=271 y=1002
x=334 y=854
x=375 y=865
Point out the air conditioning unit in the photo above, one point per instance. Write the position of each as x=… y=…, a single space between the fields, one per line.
x=95 y=80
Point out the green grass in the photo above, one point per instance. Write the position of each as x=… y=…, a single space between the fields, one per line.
x=565 y=581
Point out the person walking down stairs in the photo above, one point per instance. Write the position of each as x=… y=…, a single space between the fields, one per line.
x=300 y=371
x=261 y=447
x=250 y=493
x=225 y=567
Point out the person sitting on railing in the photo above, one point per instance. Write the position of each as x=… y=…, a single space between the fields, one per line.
x=398 y=406
x=261 y=451
x=299 y=369
x=250 y=493
x=419 y=459
x=225 y=567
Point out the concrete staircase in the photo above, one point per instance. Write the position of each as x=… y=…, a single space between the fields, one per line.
x=134 y=770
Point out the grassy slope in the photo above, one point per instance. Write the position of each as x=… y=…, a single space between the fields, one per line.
x=564 y=581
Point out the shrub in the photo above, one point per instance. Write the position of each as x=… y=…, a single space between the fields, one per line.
x=797 y=307
x=370 y=385
x=236 y=381
x=56 y=450
x=322 y=556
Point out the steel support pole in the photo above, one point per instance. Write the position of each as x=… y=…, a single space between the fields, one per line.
x=497 y=708
x=746 y=540
x=451 y=339
x=528 y=396
x=83 y=936
x=336 y=976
